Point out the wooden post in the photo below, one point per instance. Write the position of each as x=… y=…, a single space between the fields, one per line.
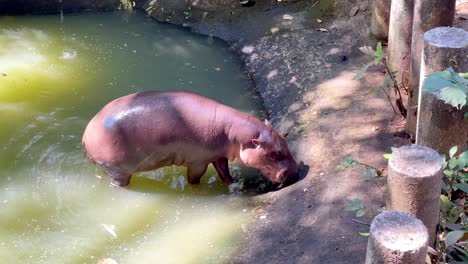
x=427 y=15
x=380 y=18
x=399 y=40
x=414 y=184
x=397 y=237
x=441 y=126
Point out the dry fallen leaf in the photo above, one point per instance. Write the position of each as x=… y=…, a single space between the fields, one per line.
x=274 y=30
x=367 y=50
x=322 y=30
x=110 y=229
x=354 y=11
x=460 y=201
x=318 y=20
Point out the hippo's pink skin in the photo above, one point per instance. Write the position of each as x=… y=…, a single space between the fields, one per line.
x=149 y=130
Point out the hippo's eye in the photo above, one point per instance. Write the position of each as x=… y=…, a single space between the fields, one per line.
x=277 y=156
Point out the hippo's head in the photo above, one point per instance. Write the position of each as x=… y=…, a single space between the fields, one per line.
x=270 y=154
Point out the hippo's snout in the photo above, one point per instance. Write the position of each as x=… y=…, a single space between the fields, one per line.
x=288 y=174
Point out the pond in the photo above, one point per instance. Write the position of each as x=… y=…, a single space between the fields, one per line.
x=55 y=206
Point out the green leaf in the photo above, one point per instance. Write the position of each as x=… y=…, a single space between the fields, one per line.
x=360 y=213
x=453 y=236
x=454 y=211
x=358 y=202
x=463 y=160
x=375 y=91
x=447 y=86
x=378 y=50
x=454 y=226
x=365 y=234
x=355 y=202
x=362 y=71
x=463 y=74
x=448 y=173
x=436 y=81
x=394 y=149
x=445 y=187
x=461 y=163
x=445 y=203
x=377 y=60
x=350 y=209
x=463 y=176
x=453 y=96
x=387 y=155
x=463 y=186
x=349 y=160
x=453 y=163
x=453 y=150
x=463 y=251
x=443 y=156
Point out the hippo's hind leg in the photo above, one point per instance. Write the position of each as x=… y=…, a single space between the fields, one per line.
x=221 y=166
x=119 y=177
x=195 y=172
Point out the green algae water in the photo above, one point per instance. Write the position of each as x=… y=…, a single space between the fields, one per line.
x=55 y=206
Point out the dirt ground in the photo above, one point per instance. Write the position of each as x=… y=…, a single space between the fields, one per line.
x=304 y=76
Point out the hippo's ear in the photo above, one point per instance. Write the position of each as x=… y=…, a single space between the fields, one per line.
x=268 y=123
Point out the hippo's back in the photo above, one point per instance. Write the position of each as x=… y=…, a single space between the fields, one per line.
x=149 y=124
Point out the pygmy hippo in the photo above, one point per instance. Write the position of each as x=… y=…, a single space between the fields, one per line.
x=148 y=130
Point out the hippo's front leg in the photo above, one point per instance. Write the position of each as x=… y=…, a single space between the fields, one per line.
x=221 y=166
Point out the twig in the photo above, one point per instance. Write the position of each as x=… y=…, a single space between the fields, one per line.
x=402 y=109
x=361 y=222
x=389 y=100
x=316 y=3
x=369 y=166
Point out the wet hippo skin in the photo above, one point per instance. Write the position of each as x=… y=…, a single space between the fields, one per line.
x=152 y=129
